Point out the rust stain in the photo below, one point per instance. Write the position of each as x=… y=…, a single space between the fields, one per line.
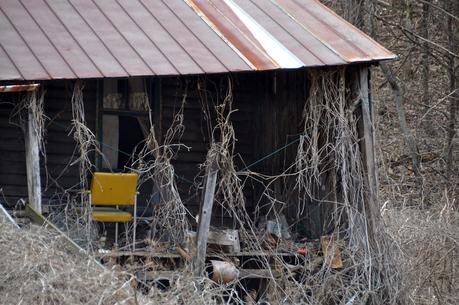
x=221 y=36
x=383 y=53
x=19 y=88
x=227 y=13
x=246 y=47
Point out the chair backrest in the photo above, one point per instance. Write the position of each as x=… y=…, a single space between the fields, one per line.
x=113 y=189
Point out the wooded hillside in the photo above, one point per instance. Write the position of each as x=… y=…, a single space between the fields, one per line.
x=416 y=107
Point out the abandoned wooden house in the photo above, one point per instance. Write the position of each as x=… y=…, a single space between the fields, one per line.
x=95 y=81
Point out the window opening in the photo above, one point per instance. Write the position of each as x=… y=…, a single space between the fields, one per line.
x=125 y=109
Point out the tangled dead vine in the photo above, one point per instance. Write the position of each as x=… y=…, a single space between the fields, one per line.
x=328 y=152
x=153 y=163
x=72 y=213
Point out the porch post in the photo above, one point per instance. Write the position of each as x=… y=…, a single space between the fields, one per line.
x=368 y=134
x=205 y=216
x=33 y=162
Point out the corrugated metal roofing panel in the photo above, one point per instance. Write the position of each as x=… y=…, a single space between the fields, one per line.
x=51 y=39
x=186 y=37
x=7 y=68
x=19 y=53
x=209 y=38
x=298 y=41
x=45 y=52
x=114 y=41
x=325 y=55
x=47 y=23
x=137 y=38
x=182 y=63
x=87 y=40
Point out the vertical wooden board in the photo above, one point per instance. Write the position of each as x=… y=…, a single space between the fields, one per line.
x=205 y=216
x=110 y=131
x=60 y=143
x=33 y=163
x=368 y=133
x=158 y=108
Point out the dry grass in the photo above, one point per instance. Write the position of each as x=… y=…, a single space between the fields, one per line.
x=35 y=268
x=429 y=252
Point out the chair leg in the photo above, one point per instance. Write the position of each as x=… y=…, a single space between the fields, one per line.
x=116 y=235
x=89 y=219
x=135 y=224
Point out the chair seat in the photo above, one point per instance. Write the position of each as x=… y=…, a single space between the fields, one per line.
x=110 y=215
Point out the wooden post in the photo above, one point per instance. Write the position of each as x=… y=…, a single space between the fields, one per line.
x=204 y=220
x=158 y=109
x=368 y=133
x=368 y=149
x=33 y=162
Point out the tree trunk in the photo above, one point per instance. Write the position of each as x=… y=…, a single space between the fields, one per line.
x=453 y=75
x=408 y=137
x=425 y=53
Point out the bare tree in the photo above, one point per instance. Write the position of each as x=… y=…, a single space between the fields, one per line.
x=453 y=76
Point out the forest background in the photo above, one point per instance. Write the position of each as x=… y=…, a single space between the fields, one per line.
x=416 y=106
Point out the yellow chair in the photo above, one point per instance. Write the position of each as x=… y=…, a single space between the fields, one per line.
x=108 y=192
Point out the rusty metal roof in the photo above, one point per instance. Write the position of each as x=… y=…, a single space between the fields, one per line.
x=67 y=39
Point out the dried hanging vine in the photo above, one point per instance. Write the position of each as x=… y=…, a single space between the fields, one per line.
x=77 y=211
x=153 y=163
x=329 y=147
x=328 y=152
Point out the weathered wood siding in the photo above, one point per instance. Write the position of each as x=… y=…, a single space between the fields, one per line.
x=13 y=180
x=60 y=144
x=58 y=175
x=269 y=115
x=197 y=130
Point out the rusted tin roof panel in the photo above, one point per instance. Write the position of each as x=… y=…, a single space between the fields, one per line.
x=52 y=39
x=207 y=36
x=186 y=37
x=347 y=31
x=224 y=22
x=310 y=50
x=344 y=39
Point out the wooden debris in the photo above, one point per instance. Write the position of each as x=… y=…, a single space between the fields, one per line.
x=226 y=241
x=227 y=237
x=8 y=216
x=183 y=254
x=331 y=252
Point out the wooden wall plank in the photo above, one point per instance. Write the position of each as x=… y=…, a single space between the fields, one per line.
x=59 y=143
